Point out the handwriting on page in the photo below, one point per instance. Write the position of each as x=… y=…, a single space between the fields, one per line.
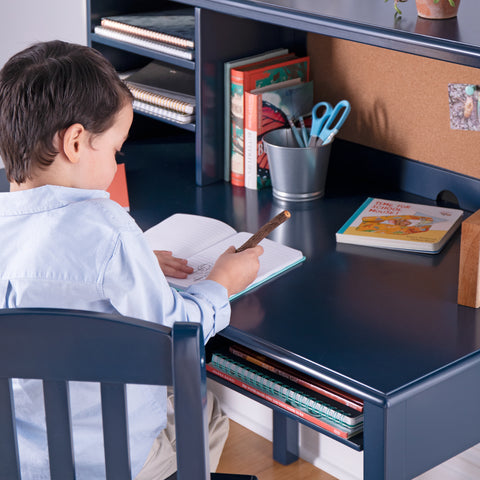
x=201 y=272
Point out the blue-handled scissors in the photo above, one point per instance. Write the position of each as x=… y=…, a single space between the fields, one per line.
x=325 y=127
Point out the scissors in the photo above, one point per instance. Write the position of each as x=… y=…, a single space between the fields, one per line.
x=323 y=128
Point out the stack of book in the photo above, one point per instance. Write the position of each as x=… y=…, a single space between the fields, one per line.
x=316 y=402
x=163 y=91
x=171 y=31
x=262 y=93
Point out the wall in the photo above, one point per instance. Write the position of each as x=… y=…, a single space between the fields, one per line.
x=24 y=22
x=399 y=101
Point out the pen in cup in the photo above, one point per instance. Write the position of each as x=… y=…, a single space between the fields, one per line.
x=304 y=130
x=297 y=136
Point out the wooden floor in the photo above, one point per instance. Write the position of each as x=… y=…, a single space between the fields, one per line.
x=248 y=453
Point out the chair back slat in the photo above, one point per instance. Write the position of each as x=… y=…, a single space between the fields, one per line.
x=190 y=396
x=115 y=431
x=9 y=464
x=59 y=430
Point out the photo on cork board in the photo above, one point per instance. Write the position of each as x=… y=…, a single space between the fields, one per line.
x=464 y=101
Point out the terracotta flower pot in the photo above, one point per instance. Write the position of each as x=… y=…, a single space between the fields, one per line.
x=442 y=9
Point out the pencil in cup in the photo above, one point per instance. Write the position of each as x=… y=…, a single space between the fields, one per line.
x=264 y=231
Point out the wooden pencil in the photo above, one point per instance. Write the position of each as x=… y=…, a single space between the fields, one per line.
x=271 y=225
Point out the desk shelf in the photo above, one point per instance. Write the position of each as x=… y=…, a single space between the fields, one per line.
x=355 y=442
x=225 y=30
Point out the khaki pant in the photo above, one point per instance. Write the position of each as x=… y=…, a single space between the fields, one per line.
x=162 y=462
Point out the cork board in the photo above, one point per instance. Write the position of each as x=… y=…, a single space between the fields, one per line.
x=400 y=102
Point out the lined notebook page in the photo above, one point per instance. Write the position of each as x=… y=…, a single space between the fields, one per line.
x=185 y=235
x=276 y=257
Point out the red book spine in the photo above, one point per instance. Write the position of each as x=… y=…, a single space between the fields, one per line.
x=237 y=121
x=244 y=79
x=277 y=402
x=297 y=378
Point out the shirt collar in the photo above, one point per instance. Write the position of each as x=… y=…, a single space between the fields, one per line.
x=47 y=197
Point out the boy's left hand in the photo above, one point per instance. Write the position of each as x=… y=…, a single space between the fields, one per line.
x=172 y=266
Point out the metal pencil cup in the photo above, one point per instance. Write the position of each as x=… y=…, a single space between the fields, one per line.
x=297 y=173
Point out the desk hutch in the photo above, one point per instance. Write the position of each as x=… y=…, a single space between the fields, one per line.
x=382 y=325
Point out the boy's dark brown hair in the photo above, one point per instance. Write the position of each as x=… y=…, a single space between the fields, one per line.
x=45 y=89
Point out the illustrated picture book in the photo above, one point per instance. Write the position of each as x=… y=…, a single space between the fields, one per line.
x=227 y=67
x=247 y=78
x=400 y=226
x=269 y=108
x=201 y=240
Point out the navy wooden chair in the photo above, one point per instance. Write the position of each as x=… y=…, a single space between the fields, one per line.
x=59 y=345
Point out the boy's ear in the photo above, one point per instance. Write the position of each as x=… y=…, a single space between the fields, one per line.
x=72 y=141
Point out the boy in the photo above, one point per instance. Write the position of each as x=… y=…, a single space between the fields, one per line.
x=64 y=114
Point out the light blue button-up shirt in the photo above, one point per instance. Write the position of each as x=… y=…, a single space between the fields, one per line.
x=72 y=248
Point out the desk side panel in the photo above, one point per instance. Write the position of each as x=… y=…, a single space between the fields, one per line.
x=443 y=420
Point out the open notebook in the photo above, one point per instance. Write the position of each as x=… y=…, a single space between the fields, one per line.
x=201 y=240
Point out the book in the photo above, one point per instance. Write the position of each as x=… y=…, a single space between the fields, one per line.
x=173 y=81
x=118 y=188
x=161 y=47
x=400 y=226
x=201 y=240
x=162 y=113
x=246 y=78
x=163 y=85
x=285 y=390
x=227 y=66
x=275 y=392
x=296 y=377
x=266 y=109
x=174 y=27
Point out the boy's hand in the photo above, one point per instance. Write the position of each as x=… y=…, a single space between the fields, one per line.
x=172 y=266
x=235 y=271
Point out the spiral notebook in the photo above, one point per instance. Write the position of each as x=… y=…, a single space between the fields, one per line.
x=160 y=112
x=160 y=98
x=334 y=417
x=161 y=47
x=175 y=27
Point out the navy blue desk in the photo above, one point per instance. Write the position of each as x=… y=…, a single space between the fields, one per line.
x=383 y=325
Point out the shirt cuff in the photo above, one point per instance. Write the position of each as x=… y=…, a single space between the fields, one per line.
x=217 y=295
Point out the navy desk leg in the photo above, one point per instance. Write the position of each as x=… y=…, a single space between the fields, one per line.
x=285 y=439
x=384 y=437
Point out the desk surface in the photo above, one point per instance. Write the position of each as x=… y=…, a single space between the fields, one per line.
x=373 y=320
